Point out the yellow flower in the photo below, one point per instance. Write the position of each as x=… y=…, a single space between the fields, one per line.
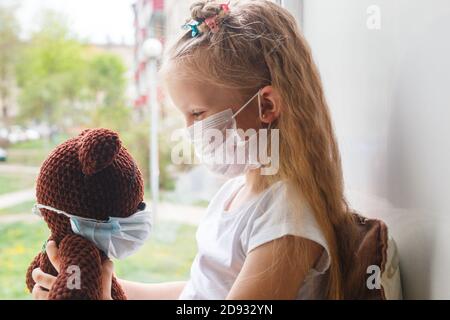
x=14 y=251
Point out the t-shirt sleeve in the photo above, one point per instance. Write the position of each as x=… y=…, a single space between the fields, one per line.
x=276 y=217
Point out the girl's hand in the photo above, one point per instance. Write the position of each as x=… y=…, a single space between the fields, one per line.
x=45 y=281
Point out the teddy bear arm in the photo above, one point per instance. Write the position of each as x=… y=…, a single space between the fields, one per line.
x=40 y=261
x=117 y=292
x=80 y=271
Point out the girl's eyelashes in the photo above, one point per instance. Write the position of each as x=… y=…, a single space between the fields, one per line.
x=197 y=114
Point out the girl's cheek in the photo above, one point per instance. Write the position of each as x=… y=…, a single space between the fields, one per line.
x=189 y=121
x=246 y=123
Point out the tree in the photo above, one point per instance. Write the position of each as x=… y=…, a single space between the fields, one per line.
x=65 y=83
x=106 y=79
x=9 y=48
x=51 y=74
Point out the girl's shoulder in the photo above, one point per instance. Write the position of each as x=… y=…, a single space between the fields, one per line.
x=279 y=211
x=276 y=195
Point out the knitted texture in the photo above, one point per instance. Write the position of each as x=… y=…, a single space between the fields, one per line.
x=91 y=176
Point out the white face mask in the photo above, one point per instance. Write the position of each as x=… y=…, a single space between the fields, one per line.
x=117 y=237
x=229 y=154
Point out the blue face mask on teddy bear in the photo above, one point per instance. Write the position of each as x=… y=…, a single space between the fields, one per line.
x=117 y=237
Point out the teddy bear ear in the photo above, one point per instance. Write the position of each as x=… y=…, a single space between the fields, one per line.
x=97 y=149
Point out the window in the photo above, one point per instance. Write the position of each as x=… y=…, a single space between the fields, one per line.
x=295 y=7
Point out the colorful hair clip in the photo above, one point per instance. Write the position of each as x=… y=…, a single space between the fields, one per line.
x=212 y=24
x=193 y=26
x=225 y=7
x=201 y=25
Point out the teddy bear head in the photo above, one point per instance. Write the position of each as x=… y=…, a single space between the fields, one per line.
x=91 y=176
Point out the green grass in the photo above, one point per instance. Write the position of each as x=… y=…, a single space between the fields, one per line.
x=166 y=256
x=33 y=152
x=10 y=182
x=30 y=153
x=41 y=143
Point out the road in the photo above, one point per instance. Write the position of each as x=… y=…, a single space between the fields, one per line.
x=166 y=211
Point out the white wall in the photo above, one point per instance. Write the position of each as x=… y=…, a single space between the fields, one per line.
x=389 y=93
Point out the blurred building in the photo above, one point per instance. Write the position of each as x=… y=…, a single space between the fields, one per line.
x=177 y=12
x=149 y=22
x=126 y=53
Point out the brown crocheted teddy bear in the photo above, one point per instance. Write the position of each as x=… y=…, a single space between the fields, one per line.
x=89 y=176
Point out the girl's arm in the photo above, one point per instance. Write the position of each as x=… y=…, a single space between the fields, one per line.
x=152 y=291
x=133 y=290
x=275 y=270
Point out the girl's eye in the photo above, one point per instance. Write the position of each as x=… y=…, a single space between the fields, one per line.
x=197 y=114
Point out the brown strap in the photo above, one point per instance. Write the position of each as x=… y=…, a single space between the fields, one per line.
x=372 y=239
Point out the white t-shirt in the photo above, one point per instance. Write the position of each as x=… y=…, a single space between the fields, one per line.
x=224 y=238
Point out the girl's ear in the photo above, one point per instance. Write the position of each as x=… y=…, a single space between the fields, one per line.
x=270 y=104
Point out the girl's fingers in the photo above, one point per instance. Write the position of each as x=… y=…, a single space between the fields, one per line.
x=52 y=253
x=42 y=279
x=38 y=293
x=107 y=274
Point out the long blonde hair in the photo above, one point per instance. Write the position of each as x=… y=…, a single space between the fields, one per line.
x=260 y=44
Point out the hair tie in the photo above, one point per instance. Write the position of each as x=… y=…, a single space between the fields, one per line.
x=200 y=25
x=193 y=26
x=225 y=7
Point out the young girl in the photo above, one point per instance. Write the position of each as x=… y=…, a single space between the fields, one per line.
x=286 y=235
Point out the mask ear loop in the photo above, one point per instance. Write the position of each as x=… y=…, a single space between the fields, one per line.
x=247 y=103
x=60 y=212
x=261 y=116
x=259 y=105
x=41 y=206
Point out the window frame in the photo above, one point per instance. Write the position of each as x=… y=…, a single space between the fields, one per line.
x=295 y=7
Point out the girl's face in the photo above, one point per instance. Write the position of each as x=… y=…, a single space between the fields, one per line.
x=197 y=101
